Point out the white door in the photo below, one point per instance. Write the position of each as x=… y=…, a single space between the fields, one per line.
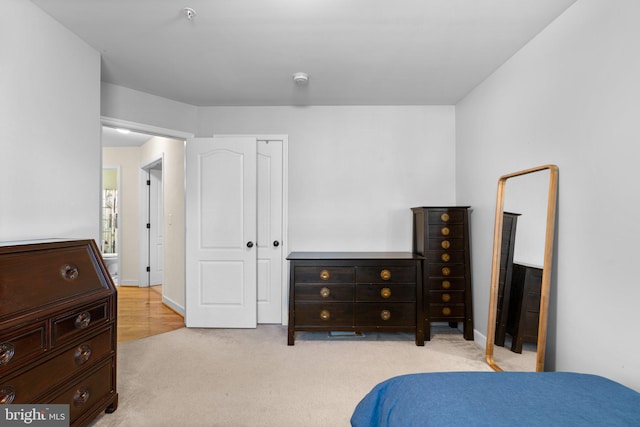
x=221 y=232
x=156 y=224
x=270 y=215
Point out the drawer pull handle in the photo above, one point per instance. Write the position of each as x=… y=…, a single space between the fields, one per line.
x=385 y=315
x=69 y=272
x=445 y=257
x=446 y=311
x=446 y=297
x=83 y=320
x=7 y=350
x=324 y=275
x=7 y=394
x=445 y=231
x=385 y=274
x=385 y=292
x=446 y=284
x=82 y=354
x=325 y=292
x=444 y=217
x=445 y=244
x=81 y=396
x=446 y=271
x=325 y=315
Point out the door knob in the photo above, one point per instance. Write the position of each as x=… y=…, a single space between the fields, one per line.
x=249 y=244
x=276 y=243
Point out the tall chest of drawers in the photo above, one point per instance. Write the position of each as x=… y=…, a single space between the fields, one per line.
x=441 y=235
x=57 y=328
x=355 y=291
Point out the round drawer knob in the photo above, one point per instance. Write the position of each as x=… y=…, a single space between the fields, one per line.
x=7 y=394
x=81 y=396
x=82 y=354
x=325 y=292
x=324 y=275
x=385 y=292
x=385 y=315
x=446 y=271
x=446 y=311
x=446 y=284
x=325 y=315
x=83 y=320
x=445 y=257
x=445 y=231
x=445 y=244
x=446 y=297
x=69 y=272
x=444 y=217
x=7 y=350
x=385 y=275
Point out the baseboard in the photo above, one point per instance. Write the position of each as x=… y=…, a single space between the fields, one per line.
x=480 y=339
x=173 y=305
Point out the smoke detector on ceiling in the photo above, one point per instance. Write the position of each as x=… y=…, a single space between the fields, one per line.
x=189 y=13
x=301 y=78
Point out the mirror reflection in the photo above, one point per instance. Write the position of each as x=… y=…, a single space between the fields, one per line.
x=525 y=211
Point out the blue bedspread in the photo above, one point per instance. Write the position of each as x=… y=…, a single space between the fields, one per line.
x=498 y=399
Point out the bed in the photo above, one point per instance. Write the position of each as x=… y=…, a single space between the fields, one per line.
x=498 y=399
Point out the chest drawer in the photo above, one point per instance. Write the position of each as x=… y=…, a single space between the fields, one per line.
x=322 y=274
x=445 y=216
x=389 y=293
x=445 y=312
x=446 y=270
x=449 y=231
x=80 y=321
x=386 y=274
x=446 y=256
x=324 y=314
x=29 y=385
x=435 y=244
x=446 y=284
x=386 y=314
x=23 y=345
x=445 y=297
x=324 y=292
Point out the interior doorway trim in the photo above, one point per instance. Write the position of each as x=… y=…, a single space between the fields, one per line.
x=144 y=217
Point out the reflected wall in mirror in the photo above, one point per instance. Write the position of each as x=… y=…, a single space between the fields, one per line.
x=521 y=269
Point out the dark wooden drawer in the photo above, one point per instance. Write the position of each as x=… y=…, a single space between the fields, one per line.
x=445 y=311
x=386 y=274
x=386 y=314
x=80 y=321
x=84 y=394
x=54 y=371
x=444 y=297
x=326 y=292
x=324 y=274
x=445 y=270
x=436 y=244
x=445 y=216
x=20 y=346
x=449 y=231
x=33 y=279
x=382 y=293
x=324 y=314
x=450 y=256
x=446 y=284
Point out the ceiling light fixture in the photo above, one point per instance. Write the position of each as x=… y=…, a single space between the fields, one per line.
x=301 y=78
x=189 y=13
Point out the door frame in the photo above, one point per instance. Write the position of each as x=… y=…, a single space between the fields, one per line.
x=143 y=218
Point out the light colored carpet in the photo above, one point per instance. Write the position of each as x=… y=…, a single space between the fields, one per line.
x=250 y=377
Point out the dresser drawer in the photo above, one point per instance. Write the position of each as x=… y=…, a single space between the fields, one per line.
x=445 y=311
x=324 y=292
x=84 y=394
x=445 y=216
x=449 y=231
x=445 y=297
x=68 y=363
x=386 y=314
x=36 y=278
x=323 y=274
x=450 y=256
x=382 y=293
x=446 y=270
x=436 y=244
x=324 y=314
x=80 y=321
x=22 y=345
x=386 y=274
x=446 y=284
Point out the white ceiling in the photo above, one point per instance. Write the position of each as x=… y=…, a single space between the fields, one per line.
x=356 y=52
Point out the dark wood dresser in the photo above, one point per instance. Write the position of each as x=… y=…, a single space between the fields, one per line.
x=507 y=249
x=57 y=328
x=524 y=305
x=441 y=235
x=355 y=291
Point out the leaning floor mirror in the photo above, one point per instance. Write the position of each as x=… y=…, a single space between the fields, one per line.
x=521 y=269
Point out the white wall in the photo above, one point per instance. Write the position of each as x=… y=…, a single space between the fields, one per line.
x=569 y=97
x=354 y=172
x=50 y=167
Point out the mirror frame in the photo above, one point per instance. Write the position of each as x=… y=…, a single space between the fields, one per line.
x=546 y=268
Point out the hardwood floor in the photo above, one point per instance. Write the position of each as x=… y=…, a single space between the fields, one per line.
x=141 y=313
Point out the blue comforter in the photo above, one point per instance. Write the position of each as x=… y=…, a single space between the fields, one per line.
x=498 y=399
